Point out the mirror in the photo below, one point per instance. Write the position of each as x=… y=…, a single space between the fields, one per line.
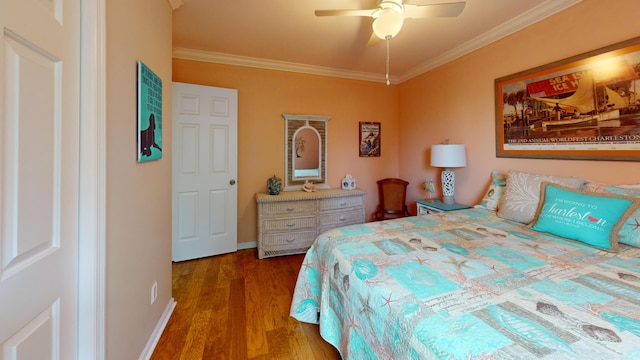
x=306 y=162
x=305 y=151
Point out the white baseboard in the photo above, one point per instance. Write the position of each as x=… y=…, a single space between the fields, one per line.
x=157 y=332
x=247 y=245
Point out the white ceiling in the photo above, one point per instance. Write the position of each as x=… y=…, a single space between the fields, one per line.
x=286 y=35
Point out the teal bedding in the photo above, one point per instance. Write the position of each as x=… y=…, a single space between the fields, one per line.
x=468 y=285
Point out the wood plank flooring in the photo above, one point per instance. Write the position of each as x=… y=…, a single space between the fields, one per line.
x=235 y=306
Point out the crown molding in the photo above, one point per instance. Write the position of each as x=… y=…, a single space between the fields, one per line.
x=227 y=59
x=514 y=25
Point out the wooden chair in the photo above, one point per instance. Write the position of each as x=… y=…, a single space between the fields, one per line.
x=392 y=194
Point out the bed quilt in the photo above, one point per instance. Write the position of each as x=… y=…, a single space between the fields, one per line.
x=468 y=285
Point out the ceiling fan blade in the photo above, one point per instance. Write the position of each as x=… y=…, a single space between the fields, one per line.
x=362 y=12
x=435 y=10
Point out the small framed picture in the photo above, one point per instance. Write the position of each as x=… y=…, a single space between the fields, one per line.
x=369 y=139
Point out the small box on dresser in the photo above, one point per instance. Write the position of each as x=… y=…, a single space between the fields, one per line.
x=288 y=223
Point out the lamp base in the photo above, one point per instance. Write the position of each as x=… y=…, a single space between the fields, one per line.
x=448 y=200
x=448 y=184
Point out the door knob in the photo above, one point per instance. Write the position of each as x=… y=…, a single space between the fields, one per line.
x=232 y=182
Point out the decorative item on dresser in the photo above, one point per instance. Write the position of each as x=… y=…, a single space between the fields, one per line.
x=289 y=223
x=274 y=185
x=348 y=182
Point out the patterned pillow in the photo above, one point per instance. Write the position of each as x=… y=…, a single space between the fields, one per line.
x=591 y=218
x=522 y=194
x=629 y=233
x=600 y=187
x=494 y=192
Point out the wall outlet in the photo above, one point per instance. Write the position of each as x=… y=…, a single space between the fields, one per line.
x=154 y=291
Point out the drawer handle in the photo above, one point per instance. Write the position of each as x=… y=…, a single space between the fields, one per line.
x=290 y=240
x=343 y=204
x=291 y=224
x=290 y=209
x=343 y=218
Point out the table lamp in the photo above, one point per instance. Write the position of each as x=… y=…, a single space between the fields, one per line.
x=448 y=156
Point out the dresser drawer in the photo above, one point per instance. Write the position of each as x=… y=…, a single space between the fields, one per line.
x=289 y=223
x=340 y=203
x=289 y=208
x=293 y=223
x=296 y=239
x=342 y=218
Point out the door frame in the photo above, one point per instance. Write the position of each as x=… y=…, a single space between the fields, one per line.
x=92 y=191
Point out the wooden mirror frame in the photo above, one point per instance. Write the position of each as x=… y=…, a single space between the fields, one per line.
x=293 y=123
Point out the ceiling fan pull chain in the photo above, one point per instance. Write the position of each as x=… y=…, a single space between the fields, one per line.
x=387 y=76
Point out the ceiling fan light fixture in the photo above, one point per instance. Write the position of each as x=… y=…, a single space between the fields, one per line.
x=388 y=23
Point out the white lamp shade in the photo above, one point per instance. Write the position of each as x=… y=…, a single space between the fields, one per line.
x=448 y=155
x=388 y=23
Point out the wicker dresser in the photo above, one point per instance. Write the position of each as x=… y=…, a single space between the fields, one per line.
x=289 y=222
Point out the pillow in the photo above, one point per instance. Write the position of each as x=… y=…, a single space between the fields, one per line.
x=622 y=190
x=594 y=186
x=599 y=187
x=591 y=218
x=629 y=233
x=494 y=192
x=522 y=194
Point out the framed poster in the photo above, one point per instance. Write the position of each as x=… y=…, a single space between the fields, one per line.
x=584 y=107
x=149 y=114
x=369 y=139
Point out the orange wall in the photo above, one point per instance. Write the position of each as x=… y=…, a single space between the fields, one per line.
x=264 y=95
x=456 y=101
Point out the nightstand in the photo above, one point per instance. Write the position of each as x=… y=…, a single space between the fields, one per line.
x=436 y=206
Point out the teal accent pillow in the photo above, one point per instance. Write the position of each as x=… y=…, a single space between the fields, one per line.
x=590 y=218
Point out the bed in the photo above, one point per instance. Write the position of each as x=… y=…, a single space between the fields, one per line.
x=472 y=284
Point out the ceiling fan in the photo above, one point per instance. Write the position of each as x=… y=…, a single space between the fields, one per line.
x=390 y=14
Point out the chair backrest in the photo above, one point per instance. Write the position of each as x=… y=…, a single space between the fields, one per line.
x=392 y=194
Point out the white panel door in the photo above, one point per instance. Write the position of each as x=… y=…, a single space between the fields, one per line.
x=205 y=136
x=39 y=124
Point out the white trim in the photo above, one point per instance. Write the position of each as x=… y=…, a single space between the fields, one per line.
x=158 y=330
x=526 y=19
x=92 y=204
x=514 y=25
x=220 y=58
x=247 y=245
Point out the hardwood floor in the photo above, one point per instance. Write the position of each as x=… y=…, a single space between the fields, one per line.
x=235 y=306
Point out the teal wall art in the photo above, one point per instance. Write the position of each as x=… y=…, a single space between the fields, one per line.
x=149 y=114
